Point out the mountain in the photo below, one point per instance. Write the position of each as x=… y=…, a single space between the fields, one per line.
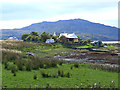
x=83 y=28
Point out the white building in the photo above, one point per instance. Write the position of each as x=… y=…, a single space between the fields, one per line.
x=54 y=34
x=12 y=38
x=70 y=37
x=50 y=41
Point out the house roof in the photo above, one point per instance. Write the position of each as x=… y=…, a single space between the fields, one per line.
x=12 y=38
x=68 y=35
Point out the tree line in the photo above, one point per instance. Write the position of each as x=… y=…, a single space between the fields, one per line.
x=34 y=36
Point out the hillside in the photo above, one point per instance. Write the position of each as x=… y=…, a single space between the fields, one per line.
x=85 y=29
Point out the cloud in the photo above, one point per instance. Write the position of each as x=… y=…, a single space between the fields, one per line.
x=31 y=11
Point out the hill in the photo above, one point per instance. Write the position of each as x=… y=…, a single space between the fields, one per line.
x=85 y=29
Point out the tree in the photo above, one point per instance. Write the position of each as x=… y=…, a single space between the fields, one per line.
x=28 y=38
x=79 y=39
x=4 y=39
x=34 y=33
x=84 y=42
x=88 y=40
x=34 y=38
x=44 y=36
x=24 y=36
x=55 y=37
x=63 y=39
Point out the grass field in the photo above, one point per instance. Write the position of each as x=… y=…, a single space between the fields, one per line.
x=109 y=47
x=85 y=46
x=83 y=77
x=42 y=70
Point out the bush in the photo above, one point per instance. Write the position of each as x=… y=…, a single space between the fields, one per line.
x=41 y=65
x=35 y=76
x=29 y=66
x=48 y=85
x=62 y=74
x=14 y=74
x=6 y=66
x=71 y=67
x=45 y=75
x=55 y=75
x=76 y=65
x=35 y=67
x=68 y=75
x=59 y=72
x=60 y=63
x=13 y=68
x=53 y=64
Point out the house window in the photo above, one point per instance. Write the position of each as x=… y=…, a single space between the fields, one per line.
x=71 y=39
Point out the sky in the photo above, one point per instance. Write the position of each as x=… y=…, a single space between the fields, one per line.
x=21 y=13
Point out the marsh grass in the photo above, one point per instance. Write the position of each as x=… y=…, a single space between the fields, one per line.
x=108 y=68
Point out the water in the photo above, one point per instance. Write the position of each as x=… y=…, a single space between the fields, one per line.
x=109 y=41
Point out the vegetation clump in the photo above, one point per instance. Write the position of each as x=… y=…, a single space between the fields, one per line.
x=76 y=65
x=35 y=76
x=18 y=64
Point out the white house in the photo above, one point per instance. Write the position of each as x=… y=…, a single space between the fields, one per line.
x=50 y=41
x=70 y=37
x=12 y=38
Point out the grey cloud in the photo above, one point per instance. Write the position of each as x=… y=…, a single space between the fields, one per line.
x=43 y=9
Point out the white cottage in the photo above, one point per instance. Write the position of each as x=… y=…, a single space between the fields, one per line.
x=70 y=37
x=50 y=41
x=12 y=38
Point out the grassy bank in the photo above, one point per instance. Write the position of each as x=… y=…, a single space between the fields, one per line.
x=43 y=70
x=83 y=77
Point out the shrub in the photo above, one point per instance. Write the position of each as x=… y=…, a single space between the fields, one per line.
x=41 y=65
x=59 y=72
x=76 y=65
x=35 y=67
x=55 y=75
x=44 y=74
x=48 y=85
x=71 y=67
x=68 y=75
x=20 y=66
x=13 y=68
x=62 y=74
x=60 y=63
x=35 y=76
x=6 y=66
x=105 y=67
x=53 y=64
x=29 y=66
x=14 y=74
x=47 y=65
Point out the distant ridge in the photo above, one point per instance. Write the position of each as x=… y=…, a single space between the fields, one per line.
x=85 y=29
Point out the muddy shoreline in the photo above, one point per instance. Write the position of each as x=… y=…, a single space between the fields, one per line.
x=92 y=57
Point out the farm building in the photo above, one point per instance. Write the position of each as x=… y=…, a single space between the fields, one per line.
x=50 y=41
x=70 y=37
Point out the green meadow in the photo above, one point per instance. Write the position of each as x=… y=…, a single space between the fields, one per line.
x=20 y=70
x=82 y=77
